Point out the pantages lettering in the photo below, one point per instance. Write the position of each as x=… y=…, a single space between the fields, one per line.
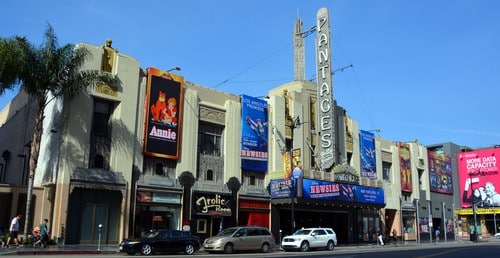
x=325 y=90
x=217 y=203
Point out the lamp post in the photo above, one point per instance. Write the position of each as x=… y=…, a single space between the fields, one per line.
x=99 y=242
x=295 y=124
x=444 y=222
x=474 y=236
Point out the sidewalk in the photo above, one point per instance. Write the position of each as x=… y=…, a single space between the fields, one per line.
x=112 y=249
x=60 y=250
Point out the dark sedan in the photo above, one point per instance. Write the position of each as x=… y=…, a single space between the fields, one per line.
x=162 y=241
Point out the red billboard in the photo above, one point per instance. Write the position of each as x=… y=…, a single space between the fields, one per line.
x=163 y=119
x=478 y=172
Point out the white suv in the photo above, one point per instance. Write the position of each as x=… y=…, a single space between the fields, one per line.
x=308 y=238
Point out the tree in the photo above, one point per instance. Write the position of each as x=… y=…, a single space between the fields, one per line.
x=234 y=185
x=45 y=72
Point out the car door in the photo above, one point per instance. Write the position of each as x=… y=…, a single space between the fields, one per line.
x=254 y=239
x=319 y=238
x=163 y=241
x=240 y=239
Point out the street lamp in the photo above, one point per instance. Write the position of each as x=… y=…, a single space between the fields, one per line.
x=174 y=69
x=474 y=236
x=295 y=123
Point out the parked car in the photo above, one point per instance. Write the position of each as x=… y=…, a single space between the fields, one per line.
x=243 y=238
x=161 y=241
x=310 y=238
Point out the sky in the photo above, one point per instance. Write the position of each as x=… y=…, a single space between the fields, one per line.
x=413 y=69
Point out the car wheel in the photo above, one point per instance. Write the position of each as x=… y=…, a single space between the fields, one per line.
x=147 y=249
x=265 y=248
x=498 y=236
x=189 y=249
x=304 y=246
x=229 y=248
x=330 y=245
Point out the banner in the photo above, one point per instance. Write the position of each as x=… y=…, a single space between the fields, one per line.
x=254 y=134
x=164 y=99
x=478 y=172
x=405 y=167
x=368 y=157
x=440 y=172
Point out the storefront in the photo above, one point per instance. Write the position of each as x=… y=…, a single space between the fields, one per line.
x=253 y=212
x=353 y=211
x=157 y=210
x=211 y=213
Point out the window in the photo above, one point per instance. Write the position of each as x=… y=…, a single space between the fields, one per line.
x=102 y=113
x=386 y=171
x=159 y=169
x=98 y=161
x=252 y=180
x=210 y=175
x=210 y=139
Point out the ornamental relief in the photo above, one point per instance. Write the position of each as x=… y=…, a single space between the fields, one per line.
x=211 y=115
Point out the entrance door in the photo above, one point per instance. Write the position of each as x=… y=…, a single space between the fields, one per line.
x=94 y=215
x=216 y=225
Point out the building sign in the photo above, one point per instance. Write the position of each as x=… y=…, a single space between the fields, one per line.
x=331 y=191
x=254 y=134
x=326 y=190
x=281 y=188
x=163 y=114
x=479 y=179
x=405 y=167
x=212 y=204
x=368 y=158
x=440 y=172
x=326 y=106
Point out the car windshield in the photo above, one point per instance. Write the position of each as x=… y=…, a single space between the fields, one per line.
x=227 y=232
x=302 y=232
x=151 y=234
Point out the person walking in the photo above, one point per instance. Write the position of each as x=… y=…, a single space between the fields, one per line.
x=380 y=237
x=14 y=230
x=44 y=231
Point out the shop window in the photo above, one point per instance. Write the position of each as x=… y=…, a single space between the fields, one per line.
x=202 y=226
x=210 y=175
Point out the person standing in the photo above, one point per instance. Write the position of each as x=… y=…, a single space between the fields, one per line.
x=14 y=230
x=380 y=237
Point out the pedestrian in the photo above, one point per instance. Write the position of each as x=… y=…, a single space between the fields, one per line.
x=380 y=237
x=14 y=230
x=44 y=231
x=395 y=234
x=438 y=232
x=2 y=235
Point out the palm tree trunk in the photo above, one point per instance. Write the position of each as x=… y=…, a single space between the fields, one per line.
x=33 y=159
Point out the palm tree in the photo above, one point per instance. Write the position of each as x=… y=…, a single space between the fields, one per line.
x=45 y=72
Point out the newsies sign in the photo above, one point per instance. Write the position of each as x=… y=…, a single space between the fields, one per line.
x=325 y=91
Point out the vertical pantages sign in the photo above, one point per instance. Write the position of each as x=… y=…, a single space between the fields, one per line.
x=254 y=134
x=405 y=166
x=163 y=114
x=325 y=91
x=368 y=158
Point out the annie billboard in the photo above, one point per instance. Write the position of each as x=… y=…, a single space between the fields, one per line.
x=164 y=99
x=478 y=172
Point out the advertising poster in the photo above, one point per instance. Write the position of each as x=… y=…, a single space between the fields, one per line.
x=164 y=99
x=254 y=134
x=440 y=172
x=405 y=166
x=368 y=158
x=479 y=179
